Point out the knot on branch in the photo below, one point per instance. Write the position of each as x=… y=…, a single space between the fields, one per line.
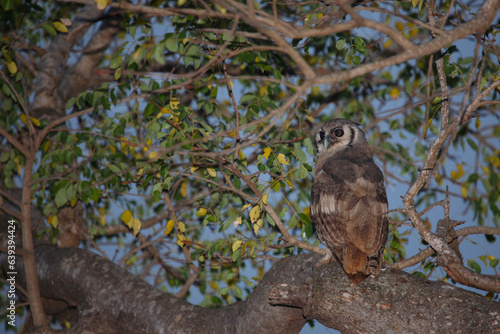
x=445 y=230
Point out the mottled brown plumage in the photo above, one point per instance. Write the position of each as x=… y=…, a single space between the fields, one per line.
x=348 y=200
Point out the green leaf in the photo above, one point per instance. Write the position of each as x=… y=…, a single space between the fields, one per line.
x=61 y=197
x=474 y=266
x=340 y=44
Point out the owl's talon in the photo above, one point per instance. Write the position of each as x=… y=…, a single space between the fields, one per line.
x=328 y=256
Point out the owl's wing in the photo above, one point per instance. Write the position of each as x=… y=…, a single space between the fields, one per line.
x=349 y=205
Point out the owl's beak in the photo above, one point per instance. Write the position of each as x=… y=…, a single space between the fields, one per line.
x=326 y=141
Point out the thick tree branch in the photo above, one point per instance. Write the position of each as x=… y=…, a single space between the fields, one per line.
x=107 y=294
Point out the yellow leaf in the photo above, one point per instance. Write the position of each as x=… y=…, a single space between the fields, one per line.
x=264 y=198
x=255 y=213
x=73 y=203
x=387 y=43
x=455 y=175
x=102 y=4
x=35 y=121
x=494 y=160
x=46 y=146
x=245 y=206
x=184 y=188
x=136 y=226
x=400 y=26
x=126 y=216
x=267 y=152
x=289 y=183
x=153 y=155
x=237 y=222
x=486 y=170
x=180 y=240
x=212 y=172
x=193 y=169
x=174 y=103
x=490 y=257
x=170 y=227
x=415 y=3
x=60 y=27
x=258 y=225
x=53 y=220
x=241 y=156
x=426 y=127
x=465 y=191
x=282 y=159
x=165 y=110
x=394 y=93
x=181 y=226
x=478 y=123
x=439 y=178
x=319 y=16
x=214 y=285
x=307 y=211
x=12 y=67
x=201 y=212
x=24 y=119
x=149 y=142
x=237 y=245
x=112 y=149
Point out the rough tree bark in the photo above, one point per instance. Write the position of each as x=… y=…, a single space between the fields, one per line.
x=106 y=298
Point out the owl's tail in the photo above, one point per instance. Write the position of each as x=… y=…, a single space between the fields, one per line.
x=355 y=263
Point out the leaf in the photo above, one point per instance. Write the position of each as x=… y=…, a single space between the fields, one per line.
x=340 y=44
x=180 y=240
x=214 y=285
x=474 y=266
x=184 y=188
x=60 y=27
x=267 y=152
x=102 y=4
x=35 y=122
x=193 y=169
x=169 y=227
x=174 y=103
x=255 y=213
x=211 y=172
x=282 y=159
x=394 y=93
x=201 y=212
x=126 y=216
x=301 y=156
x=264 y=199
x=46 y=146
x=400 y=26
x=24 y=119
x=12 y=67
x=415 y=2
x=61 y=197
x=257 y=226
x=236 y=245
x=53 y=220
x=237 y=222
x=136 y=226
x=464 y=191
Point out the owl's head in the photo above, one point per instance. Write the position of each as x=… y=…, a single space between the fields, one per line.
x=339 y=134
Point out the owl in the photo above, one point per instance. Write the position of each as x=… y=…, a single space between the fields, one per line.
x=348 y=200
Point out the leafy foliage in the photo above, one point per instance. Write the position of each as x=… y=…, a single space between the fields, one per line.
x=191 y=136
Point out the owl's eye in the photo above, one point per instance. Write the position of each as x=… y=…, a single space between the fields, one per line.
x=339 y=133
